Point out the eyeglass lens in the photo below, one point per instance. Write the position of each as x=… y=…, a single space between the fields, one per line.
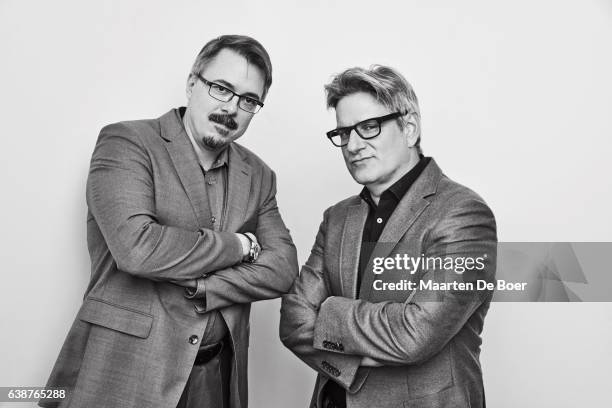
x=224 y=94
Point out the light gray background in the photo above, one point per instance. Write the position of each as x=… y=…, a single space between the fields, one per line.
x=515 y=98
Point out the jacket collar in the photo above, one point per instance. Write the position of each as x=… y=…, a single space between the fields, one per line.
x=187 y=166
x=407 y=211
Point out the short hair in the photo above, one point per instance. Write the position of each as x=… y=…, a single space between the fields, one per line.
x=387 y=85
x=243 y=45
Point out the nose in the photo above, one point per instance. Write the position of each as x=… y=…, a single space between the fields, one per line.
x=231 y=106
x=355 y=142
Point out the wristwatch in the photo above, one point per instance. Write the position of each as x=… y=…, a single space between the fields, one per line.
x=254 y=250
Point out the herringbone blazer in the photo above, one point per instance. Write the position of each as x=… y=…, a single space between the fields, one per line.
x=428 y=345
x=131 y=344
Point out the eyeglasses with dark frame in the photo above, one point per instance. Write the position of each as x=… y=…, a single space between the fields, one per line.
x=224 y=94
x=366 y=129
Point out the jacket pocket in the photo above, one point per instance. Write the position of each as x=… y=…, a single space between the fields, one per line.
x=116 y=317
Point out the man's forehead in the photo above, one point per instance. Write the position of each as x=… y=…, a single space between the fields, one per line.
x=230 y=68
x=358 y=106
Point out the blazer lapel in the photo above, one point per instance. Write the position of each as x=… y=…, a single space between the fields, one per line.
x=238 y=188
x=186 y=164
x=350 y=247
x=406 y=213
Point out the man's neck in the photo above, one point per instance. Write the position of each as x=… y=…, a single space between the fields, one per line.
x=206 y=157
x=376 y=190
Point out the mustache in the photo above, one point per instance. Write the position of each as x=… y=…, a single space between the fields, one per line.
x=225 y=120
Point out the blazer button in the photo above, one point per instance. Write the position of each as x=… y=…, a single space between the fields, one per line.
x=193 y=339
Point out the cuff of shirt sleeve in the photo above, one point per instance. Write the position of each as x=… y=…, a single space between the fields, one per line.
x=198 y=292
x=239 y=248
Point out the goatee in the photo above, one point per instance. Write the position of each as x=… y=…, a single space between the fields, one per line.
x=213 y=143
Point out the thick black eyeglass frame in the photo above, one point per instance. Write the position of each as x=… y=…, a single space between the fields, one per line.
x=240 y=97
x=380 y=120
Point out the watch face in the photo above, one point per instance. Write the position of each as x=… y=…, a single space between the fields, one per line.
x=254 y=253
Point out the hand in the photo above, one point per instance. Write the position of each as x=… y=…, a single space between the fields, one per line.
x=369 y=362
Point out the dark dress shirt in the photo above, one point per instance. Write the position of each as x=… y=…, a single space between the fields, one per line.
x=215 y=185
x=378 y=215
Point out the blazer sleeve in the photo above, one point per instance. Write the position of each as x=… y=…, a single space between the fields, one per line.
x=299 y=310
x=412 y=332
x=269 y=277
x=121 y=199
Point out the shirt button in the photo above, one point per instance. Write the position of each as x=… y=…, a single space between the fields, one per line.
x=193 y=339
x=213 y=219
x=379 y=220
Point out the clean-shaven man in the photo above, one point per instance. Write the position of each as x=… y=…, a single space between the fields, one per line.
x=357 y=314
x=184 y=233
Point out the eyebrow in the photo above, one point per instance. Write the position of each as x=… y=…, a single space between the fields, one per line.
x=357 y=123
x=230 y=86
x=342 y=128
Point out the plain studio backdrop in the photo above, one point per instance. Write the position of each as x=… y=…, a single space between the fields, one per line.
x=516 y=102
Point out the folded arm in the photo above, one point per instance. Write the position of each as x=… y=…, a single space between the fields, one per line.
x=121 y=198
x=397 y=333
x=269 y=277
x=299 y=312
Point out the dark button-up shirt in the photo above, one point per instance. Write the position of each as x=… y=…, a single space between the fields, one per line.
x=215 y=183
x=378 y=215
x=215 y=186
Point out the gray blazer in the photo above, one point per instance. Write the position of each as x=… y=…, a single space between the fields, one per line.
x=429 y=346
x=129 y=345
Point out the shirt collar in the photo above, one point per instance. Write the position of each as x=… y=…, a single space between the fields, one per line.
x=222 y=157
x=398 y=190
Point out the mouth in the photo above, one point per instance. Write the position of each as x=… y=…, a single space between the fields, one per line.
x=221 y=129
x=223 y=124
x=360 y=160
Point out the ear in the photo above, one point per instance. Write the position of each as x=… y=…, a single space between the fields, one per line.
x=191 y=81
x=412 y=131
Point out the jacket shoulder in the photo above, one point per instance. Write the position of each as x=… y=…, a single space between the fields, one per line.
x=454 y=201
x=251 y=158
x=143 y=129
x=340 y=209
x=451 y=191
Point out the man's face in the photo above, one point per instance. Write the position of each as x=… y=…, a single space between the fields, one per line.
x=378 y=162
x=212 y=123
